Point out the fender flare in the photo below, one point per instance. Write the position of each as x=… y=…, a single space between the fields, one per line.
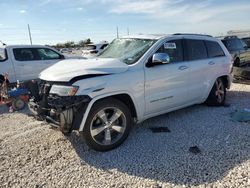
x=91 y=103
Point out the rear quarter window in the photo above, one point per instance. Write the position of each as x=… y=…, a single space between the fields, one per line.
x=195 y=49
x=214 y=49
x=25 y=54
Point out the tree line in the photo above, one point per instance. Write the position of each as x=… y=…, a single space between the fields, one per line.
x=72 y=44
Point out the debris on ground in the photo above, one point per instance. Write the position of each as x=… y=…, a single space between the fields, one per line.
x=159 y=129
x=194 y=150
x=241 y=115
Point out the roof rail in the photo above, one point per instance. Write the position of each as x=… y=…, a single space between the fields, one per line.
x=192 y=34
x=231 y=37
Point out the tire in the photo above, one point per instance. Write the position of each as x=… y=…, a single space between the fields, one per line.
x=237 y=62
x=18 y=104
x=108 y=125
x=217 y=95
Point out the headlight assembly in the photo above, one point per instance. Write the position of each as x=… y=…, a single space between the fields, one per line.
x=64 y=90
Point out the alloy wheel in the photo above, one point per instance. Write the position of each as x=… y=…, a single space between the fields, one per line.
x=108 y=126
x=220 y=90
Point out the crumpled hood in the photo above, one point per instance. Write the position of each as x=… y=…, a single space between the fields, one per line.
x=65 y=70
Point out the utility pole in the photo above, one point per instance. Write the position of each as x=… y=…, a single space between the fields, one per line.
x=117 y=32
x=128 y=30
x=29 y=34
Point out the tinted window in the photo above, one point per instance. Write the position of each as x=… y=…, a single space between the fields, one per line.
x=173 y=49
x=214 y=49
x=196 y=49
x=233 y=44
x=47 y=54
x=3 y=55
x=104 y=46
x=25 y=54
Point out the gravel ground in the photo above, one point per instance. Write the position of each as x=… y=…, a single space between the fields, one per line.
x=34 y=155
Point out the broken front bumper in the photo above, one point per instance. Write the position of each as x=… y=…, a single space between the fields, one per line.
x=65 y=112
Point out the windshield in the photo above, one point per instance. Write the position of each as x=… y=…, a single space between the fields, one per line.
x=127 y=50
x=2 y=54
x=233 y=44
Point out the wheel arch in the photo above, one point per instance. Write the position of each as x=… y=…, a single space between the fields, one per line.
x=124 y=97
x=226 y=80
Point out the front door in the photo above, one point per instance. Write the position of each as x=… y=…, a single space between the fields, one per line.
x=166 y=84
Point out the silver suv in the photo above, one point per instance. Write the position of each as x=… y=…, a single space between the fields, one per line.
x=133 y=79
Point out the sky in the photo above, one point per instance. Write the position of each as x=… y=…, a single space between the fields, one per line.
x=55 y=21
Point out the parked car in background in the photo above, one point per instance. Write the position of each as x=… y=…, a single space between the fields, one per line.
x=66 y=50
x=238 y=49
x=133 y=79
x=92 y=50
x=25 y=62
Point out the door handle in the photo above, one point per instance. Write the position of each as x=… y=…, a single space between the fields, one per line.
x=183 y=67
x=211 y=63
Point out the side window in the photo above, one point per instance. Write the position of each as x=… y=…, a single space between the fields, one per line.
x=214 y=49
x=25 y=54
x=104 y=46
x=47 y=54
x=174 y=49
x=196 y=49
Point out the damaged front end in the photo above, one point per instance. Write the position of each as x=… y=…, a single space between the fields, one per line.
x=58 y=104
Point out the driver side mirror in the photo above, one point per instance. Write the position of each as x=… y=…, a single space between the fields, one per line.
x=159 y=59
x=162 y=58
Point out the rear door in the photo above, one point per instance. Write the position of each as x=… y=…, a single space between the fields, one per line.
x=166 y=85
x=200 y=68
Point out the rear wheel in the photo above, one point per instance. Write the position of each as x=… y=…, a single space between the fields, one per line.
x=108 y=125
x=217 y=95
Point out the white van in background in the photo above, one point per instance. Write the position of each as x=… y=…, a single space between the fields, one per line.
x=91 y=50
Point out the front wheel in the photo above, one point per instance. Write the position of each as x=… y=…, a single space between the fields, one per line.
x=108 y=125
x=217 y=95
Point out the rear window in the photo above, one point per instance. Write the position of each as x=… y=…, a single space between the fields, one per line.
x=196 y=49
x=3 y=55
x=25 y=54
x=214 y=49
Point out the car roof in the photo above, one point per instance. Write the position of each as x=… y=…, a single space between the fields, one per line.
x=27 y=46
x=160 y=36
x=146 y=36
